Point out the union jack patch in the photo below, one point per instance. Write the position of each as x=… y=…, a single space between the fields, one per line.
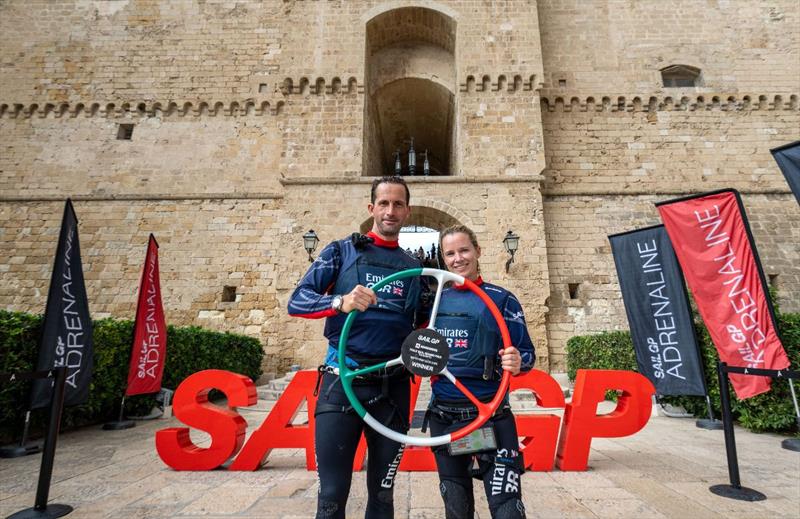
x=398 y=291
x=461 y=343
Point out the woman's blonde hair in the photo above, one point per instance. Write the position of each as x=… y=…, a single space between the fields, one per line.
x=455 y=229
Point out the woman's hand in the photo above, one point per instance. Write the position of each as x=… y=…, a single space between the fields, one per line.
x=511 y=360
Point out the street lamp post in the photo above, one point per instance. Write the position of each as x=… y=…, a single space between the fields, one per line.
x=310 y=242
x=511 y=244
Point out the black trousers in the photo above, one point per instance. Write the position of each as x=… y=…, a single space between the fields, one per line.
x=337 y=433
x=499 y=470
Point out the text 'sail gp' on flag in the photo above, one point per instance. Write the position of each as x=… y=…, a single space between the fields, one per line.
x=715 y=248
x=658 y=311
x=149 y=348
x=788 y=159
x=67 y=330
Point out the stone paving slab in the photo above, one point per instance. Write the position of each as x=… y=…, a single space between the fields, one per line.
x=662 y=471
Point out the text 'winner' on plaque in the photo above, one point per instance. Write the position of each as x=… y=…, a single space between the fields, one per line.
x=425 y=352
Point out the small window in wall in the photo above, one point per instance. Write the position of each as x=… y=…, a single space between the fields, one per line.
x=262 y=88
x=677 y=76
x=124 y=132
x=573 y=290
x=228 y=294
x=562 y=83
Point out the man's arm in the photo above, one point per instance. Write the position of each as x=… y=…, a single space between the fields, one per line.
x=310 y=298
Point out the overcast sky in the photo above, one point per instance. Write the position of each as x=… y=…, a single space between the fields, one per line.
x=413 y=240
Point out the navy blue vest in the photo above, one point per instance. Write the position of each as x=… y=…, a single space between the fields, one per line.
x=471 y=332
x=378 y=333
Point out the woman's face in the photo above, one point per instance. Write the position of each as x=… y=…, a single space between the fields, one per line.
x=460 y=255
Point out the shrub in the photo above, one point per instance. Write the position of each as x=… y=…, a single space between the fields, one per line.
x=189 y=349
x=772 y=411
x=607 y=350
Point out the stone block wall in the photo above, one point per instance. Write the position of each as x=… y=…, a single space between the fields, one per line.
x=170 y=153
x=667 y=145
x=618 y=47
x=321 y=135
x=84 y=51
x=500 y=132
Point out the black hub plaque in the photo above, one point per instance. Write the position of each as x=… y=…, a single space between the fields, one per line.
x=425 y=352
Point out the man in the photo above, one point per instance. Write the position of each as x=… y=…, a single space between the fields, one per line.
x=337 y=283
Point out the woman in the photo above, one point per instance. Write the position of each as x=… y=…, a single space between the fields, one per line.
x=474 y=339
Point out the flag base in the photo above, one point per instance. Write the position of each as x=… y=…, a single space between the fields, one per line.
x=740 y=493
x=17 y=451
x=791 y=444
x=48 y=512
x=119 y=425
x=711 y=425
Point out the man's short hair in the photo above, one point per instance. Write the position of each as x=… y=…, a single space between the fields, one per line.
x=394 y=179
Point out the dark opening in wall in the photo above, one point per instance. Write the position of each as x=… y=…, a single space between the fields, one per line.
x=410 y=87
x=562 y=83
x=262 y=88
x=228 y=294
x=125 y=132
x=773 y=280
x=573 y=290
x=677 y=76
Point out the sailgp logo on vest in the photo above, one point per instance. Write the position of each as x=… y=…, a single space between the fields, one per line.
x=396 y=287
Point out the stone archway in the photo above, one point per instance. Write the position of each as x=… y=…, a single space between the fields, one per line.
x=410 y=90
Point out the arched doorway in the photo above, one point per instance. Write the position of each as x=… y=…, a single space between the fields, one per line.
x=410 y=92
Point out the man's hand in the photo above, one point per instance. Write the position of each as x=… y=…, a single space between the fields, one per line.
x=511 y=360
x=358 y=299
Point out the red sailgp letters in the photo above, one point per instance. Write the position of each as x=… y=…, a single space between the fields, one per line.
x=539 y=432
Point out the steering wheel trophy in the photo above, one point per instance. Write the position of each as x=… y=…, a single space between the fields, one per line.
x=425 y=353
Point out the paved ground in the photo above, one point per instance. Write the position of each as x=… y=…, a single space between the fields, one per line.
x=663 y=471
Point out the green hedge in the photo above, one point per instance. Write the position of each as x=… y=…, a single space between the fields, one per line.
x=189 y=349
x=772 y=411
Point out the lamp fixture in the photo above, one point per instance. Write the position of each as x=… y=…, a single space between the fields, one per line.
x=310 y=242
x=511 y=244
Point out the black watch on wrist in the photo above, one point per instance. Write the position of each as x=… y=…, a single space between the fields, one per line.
x=337 y=303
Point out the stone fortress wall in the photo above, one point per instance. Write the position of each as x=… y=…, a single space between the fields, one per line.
x=254 y=121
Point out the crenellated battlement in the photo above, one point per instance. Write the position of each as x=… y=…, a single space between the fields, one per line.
x=247 y=107
x=485 y=83
x=335 y=85
x=501 y=83
x=720 y=102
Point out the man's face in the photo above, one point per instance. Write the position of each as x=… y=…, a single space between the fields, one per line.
x=390 y=210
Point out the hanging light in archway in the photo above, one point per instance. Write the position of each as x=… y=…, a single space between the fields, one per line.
x=412 y=159
x=398 y=167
